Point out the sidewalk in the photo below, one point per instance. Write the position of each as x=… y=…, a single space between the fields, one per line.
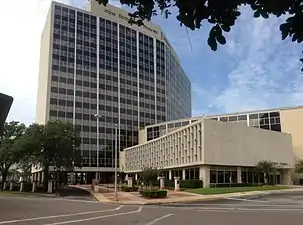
x=130 y=198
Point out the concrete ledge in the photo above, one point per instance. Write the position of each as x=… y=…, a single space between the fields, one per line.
x=194 y=197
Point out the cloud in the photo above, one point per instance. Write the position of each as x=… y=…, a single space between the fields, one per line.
x=267 y=72
x=255 y=70
x=20 y=52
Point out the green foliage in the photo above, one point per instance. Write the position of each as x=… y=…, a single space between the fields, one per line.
x=54 y=144
x=10 y=152
x=299 y=166
x=149 y=175
x=222 y=14
x=129 y=189
x=266 y=167
x=191 y=184
x=184 y=184
x=153 y=193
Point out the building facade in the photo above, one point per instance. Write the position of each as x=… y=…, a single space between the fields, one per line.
x=214 y=152
x=95 y=63
x=287 y=120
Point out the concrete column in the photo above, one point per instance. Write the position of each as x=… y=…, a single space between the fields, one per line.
x=50 y=187
x=126 y=176
x=239 y=177
x=183 y=174
x=11 y=185
x=177 y=183
x=22 y=186
x=42 y=177
x=162 y=182
x=204 y=175
x=170 y=175
x=34 y=188
x=286 y=177
x=130 y=182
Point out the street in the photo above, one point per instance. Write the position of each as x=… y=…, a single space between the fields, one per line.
x=270 y=210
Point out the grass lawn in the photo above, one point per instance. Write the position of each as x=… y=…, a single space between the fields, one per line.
x=225 y=190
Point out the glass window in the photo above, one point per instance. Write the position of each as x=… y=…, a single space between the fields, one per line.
x=253 y=116
x=232 y=118
x=242 y=117
x=223 y=119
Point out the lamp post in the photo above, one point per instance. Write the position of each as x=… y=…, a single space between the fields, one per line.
x=97 y=116
x=116 y=159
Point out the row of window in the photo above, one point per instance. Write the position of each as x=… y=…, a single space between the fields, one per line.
x=109 y=88
x=108 y=108
x=84 y=116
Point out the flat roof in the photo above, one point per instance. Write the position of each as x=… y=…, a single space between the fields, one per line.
x=225 y=114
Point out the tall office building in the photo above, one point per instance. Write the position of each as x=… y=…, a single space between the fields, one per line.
x=95 y=63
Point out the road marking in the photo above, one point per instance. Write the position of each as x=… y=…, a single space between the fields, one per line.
x=158 y=219
x=246 y=200
x=249 y=210
x=59 y=216
x=96 y=218
x=220 y=205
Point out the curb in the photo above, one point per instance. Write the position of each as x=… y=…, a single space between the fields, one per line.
x=205 y=198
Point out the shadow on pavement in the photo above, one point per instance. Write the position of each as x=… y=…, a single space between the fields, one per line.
x=74 y=193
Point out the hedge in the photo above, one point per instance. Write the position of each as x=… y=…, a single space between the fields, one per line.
x=235 y=185
x=129 y=189
x=153 y=193
x=184 y=183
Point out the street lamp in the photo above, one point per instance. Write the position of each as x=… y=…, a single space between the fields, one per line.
x=116 y=159
x=97 y=116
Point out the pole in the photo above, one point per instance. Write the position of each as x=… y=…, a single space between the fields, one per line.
x=116 y=159
x=97 y=174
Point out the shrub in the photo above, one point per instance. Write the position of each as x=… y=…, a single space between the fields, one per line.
x=27 y=187
x=191 y=184
x=129 y=189
x=235 y=185
x=153 y=193
x=170 y=184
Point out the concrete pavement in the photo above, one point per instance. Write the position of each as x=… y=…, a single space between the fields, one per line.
x=47 y=211
x=174 y=197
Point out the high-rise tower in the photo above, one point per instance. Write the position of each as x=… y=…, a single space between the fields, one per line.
x=95 y=63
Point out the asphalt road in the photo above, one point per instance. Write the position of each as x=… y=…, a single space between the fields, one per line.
x=269 y=210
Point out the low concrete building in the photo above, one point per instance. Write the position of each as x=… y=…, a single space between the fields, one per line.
x=215 y=152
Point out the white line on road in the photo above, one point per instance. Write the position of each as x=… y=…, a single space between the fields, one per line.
x=249 y=210
x=246 y=200
x=96 y=218
x=59 y=216
x=158 y=219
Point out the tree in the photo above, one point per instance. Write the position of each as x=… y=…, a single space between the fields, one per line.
x=54 y=144
x=221 y=14
x=299 y=166
x=10 y=153
x=266 y=167
x=149 y=175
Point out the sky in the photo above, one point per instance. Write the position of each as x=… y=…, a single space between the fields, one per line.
x=254 y=70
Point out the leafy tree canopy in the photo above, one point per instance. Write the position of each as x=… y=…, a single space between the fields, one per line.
x=10 y=153
x=54 y=144
x=221 y=13
x=265 y=166
x=149 y=175
x=299 y=166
